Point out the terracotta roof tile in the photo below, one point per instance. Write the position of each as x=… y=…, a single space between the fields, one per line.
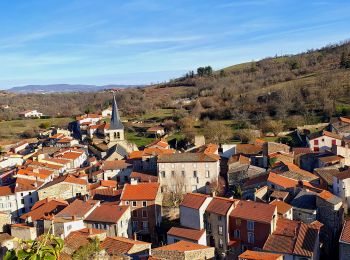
x=192 y=234
x=188 y=157
x=292 y=237
x=194 y=200
x=345 y=233
x=220 y=205
x=77 y=208
x=251 y=210
x=282 y=207
x=6 y=190
x=45 y=209
x=181 y=246
x=140 y=191
x=248 y=149
x=107 y=213
x=257 y=255
x=120 y=245
x=144 y=177
x=115 y=165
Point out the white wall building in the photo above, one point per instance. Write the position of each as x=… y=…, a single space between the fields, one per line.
x=30 y=114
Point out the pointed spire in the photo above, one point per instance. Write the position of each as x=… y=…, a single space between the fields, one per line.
x=116 y=123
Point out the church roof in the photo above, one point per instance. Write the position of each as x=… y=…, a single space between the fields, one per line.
x=116 y=123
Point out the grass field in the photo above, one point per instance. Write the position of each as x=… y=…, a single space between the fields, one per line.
x=138 y=140
x=11 y=130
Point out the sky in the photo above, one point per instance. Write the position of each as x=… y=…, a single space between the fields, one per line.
x=148 y=41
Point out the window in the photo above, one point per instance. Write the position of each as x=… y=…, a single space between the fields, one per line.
x=173 y=174
x=334 y=142
x=118 y=135
x=135 y=225
x=22 y=194
x=207 y=174
x=134 y=213
x=250 y=225
x=163 y=174
x=31 y=200
x=145 y=225
x=238 y=222
x=183 y=173
x=220 y=230
x=209 y=226
x=251 y=237
x=237 y=233
x=69 y=227
x=144 y=213
x=22 y=201
x=126 y=178
x=144 y=203
x=219 y=218
x=134 y=204
x=322 y=140
x=127 y=202
x=315 y=142
x=194 y=174
x=30 y=193
x=221 y=243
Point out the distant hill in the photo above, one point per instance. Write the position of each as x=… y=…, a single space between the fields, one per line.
x=53 y=88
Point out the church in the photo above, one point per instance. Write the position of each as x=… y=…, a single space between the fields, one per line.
x=108 y=139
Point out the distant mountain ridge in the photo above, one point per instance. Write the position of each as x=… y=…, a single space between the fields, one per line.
x=64 y=88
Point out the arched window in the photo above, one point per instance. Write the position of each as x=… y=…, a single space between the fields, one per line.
x=115 y=135
x=118 y=135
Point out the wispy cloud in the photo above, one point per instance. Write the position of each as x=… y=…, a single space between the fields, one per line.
x=150 y=40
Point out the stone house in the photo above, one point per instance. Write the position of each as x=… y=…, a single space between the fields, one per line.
x=8 y=201
x=63 y=187
x=118 y=170
x=341 y=126
x=304 y=206
x=216 y=219
x=114 y=219
x=188 y=172
x=5 y=221
x=23 y=231
x=145 y=201
x=146 y=160
x=184 y=250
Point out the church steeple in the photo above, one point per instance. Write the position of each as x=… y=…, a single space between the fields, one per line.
x=116 y=123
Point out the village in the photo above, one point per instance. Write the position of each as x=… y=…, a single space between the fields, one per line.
x=257 y=200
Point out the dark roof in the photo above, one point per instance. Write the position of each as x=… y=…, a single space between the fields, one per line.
x=187 y=157
x=345 y=233
x=305 y=200
x=343 y=175
x=327 y=174
x=115 y=119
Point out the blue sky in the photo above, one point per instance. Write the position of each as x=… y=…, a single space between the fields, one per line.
x=144 y=41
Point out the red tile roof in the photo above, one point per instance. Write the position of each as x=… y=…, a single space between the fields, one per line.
x=192 y=234
x=194 y=200
x=284 y=181
x=107 y=213
x=345 y=233
x=282 y=207
x=220 y=205
x=115 y=165
x=6 y=190
x=140 y=191
x=181 y=246
x=292 y=237
x=257 y=255
x=77 y=208
x=162 y=143
x=120 y=245
x=255 y=211
x=143 y=177
x=46 y=208
x=152 y=151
